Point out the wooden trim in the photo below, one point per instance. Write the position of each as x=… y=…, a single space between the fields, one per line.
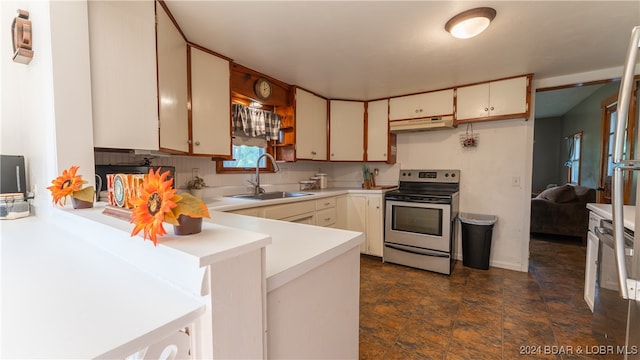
x=189 y=99
x=365 y=135
x=529 y=76
x=155 y=8
x=202 y=48
x=420 y=93
x=327 y=121
x=524 y=115
x=529 y=85
x=173 y=19
x=577 y=85
x=311 y=92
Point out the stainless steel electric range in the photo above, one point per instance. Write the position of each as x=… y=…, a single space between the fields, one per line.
x=419 y=219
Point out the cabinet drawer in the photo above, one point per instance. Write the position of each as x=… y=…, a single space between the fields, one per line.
x=250 y=212
x=279 y=212
x=594 y=221
x=326 y=203
x=326 y=217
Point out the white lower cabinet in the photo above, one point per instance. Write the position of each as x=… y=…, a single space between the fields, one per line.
x=590 y=269
x=363 y=212
x=321 y=212
x=591 y=263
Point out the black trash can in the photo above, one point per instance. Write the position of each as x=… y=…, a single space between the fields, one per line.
x=477 y=230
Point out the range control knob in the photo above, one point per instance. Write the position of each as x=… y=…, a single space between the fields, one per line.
x=453 y=175
x=446 y=174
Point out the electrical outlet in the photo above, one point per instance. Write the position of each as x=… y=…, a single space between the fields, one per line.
x=515 y=181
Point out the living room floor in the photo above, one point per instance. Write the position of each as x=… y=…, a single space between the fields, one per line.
x=407 y=313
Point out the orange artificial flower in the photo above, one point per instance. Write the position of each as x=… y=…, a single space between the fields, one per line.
x=65 y=184
x=154 y=205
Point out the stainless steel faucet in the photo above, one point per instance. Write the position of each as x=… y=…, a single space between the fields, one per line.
x=256 y=186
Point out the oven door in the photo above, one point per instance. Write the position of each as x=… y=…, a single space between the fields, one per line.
x=421 y=225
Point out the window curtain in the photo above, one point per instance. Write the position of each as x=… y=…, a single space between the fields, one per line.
x=254 y=127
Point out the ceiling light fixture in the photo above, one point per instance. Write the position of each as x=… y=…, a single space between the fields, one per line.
x=470 y=23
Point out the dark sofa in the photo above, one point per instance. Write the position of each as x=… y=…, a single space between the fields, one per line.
x=562 y=210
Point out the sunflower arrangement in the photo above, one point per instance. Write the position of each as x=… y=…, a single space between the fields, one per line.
x=158 y=203
x=69 y=184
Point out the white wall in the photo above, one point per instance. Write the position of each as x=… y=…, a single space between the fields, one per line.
x=47 y=123
x=487 y=171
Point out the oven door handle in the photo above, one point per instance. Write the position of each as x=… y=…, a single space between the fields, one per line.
x=415 y=250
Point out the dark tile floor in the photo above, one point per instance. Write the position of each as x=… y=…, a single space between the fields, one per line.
x=478 y=314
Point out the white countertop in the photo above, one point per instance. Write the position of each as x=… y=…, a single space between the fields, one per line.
x=64 y=298
x=94 y=291
x=604 y=210
x=228 y=203
x=295 y=248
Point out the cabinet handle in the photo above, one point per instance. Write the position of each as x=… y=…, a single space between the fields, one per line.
x=416 y=111
x=332 y=154
x=197 y=143
x=313 y=153
x=327 y=204
x=188 y=141
x=327 y=219
x=384 y=155
x=491 y=108
x=486 y=109
x=420 y=110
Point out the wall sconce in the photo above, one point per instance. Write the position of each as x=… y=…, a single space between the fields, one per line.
x=22 y=38
x=470 y=23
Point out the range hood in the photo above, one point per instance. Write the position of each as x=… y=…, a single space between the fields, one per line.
x=422 y=124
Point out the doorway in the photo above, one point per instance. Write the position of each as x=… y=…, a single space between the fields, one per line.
x=610 y=117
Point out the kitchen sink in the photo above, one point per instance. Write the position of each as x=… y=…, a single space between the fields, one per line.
x=269 y=195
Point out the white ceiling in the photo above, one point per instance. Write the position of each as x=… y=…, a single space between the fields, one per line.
x=364 y=50
x=555 y=103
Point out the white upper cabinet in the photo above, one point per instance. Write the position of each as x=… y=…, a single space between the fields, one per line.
x=435 y=103
x=210 y=104
x=377 y=130
x=123 y=74
x=311 y=126
x=497 y=99
x=347 y=130
x=172 y=85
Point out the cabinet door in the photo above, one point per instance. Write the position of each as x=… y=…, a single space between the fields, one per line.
x=374 y=227
x=311 y=126
x=508 y=96
x=210 y=104
x=435 y=103
x=472 y=101
x=347 y=130
x=357 y=217
x=342 y=212
x=377 y=130
x=124 y=90
x=172 y=85
x=404 y=107
x=590 y=269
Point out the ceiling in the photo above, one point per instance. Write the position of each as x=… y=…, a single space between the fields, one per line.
x=555 y=103
x=364 y=50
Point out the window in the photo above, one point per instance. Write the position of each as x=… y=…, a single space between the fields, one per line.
x=245 y=157
x=574 y=143
x=253 y=130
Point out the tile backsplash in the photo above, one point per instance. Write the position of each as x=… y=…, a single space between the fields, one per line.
x=339 y=174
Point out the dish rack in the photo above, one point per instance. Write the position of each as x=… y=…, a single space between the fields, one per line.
x=13 y=206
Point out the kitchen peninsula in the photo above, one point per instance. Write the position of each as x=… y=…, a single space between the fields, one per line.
x=261 y=278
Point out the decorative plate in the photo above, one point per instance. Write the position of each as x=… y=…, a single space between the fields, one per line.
x=118 y=190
